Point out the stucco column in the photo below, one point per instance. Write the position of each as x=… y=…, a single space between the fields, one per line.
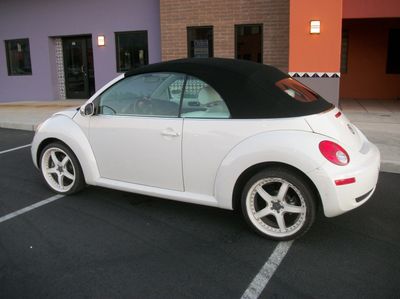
x=314 y=59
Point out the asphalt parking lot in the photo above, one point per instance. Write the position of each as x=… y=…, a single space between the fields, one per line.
x=108 y=244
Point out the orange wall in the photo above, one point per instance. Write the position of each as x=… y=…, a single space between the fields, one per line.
x=366 y=76
x=315 y=52
x=353 y=9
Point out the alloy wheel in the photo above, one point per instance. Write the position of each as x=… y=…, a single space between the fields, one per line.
x=276 y=207
x=58 y=169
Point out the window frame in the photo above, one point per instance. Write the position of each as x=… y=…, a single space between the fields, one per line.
x=6 y=44
x=307 y=94
x=116 y=37
x=96 y=101
x=210 y=55
x=198 y=117
x=261 y=25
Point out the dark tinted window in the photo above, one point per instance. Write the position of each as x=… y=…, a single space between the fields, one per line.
x=393 y=54
x=200 y=42
x=344 y=52
x=249 y=42
x=297 y=90
x=18 y=57
x=132 y=50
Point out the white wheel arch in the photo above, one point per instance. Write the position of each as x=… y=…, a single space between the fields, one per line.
x=64 y=129
x=257 y=150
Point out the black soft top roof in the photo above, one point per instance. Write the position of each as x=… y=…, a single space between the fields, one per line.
x=248 y=88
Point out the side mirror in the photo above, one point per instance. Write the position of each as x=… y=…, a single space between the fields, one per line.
x=87 y=110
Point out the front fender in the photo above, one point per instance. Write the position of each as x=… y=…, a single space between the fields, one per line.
x=66 y=130
x=298 y=149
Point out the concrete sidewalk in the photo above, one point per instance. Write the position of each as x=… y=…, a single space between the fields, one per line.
x=378 y=119
x=27 y=115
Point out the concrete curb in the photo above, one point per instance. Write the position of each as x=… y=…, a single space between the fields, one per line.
x=390 y=166
x=50 y=104
x=18 y=126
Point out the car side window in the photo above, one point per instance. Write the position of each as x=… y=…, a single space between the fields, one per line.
x=152 y=94
x=200 y=100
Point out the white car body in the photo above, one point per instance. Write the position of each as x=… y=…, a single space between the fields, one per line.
x=201 y=160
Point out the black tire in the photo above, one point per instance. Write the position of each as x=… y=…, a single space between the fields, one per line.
x=296 y=206
x=57 y=176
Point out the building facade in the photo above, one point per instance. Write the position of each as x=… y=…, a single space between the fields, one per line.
x=255 y=30
x=343 y=49
x=49 y=49
x=370 y=50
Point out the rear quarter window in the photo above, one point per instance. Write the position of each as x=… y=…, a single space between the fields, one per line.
x=296 y=90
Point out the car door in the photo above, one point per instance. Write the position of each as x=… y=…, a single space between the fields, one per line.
x=209 y=134
x=136 y=133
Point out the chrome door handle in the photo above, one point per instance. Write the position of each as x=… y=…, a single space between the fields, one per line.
x=170 y=133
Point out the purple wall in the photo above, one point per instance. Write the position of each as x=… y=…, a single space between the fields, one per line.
x=41 y=19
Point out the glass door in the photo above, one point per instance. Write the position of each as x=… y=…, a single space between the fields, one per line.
x=78 y=67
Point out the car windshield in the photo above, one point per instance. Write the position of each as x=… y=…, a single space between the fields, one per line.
x=297 y=90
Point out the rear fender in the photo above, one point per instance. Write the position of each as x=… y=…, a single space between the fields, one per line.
x=298 y=149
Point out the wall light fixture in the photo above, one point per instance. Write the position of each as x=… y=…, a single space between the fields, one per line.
x=101 y=41
x=315 y=27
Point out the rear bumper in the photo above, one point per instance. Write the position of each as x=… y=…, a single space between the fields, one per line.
x=364 y=167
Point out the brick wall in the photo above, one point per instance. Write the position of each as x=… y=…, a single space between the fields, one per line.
x=223 y=15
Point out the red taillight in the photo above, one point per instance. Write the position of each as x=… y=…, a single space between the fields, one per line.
x=334 y=153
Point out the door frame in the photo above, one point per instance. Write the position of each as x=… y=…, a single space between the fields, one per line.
x=85 y=39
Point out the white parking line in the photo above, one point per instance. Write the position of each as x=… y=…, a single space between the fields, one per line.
x=30 y=208
x=264 y=275
x=14 y=149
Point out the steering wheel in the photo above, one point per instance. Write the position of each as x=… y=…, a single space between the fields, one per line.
x=143 y=106
x=108 y=107
x=213 y=104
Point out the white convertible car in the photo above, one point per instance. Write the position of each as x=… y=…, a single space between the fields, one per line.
x=218 y=132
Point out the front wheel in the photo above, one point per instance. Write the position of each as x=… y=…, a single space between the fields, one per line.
x=61 y=169
x=277 y=203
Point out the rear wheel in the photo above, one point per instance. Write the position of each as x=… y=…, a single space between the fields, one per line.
x=279 y=204
x=61 y=169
